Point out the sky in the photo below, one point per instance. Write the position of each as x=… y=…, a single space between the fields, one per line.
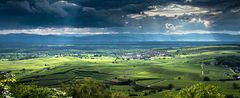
x=120 y=16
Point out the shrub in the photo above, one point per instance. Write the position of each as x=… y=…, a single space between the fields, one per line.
x=195 y=91
x=179 y=78
x=23 y=70
x=206 y=79
x=87 y=88
x=119 y=95
x=200 y=91
x=6 y=79
x=229 y=96
x=170 y=86
x=145 y=94
x=8 y=89
x=33 y=91
x=235 y=86
x=4 y=91
x=138 y=88
x=168 y=94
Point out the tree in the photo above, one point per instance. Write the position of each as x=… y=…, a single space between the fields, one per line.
x=229 y=96
x=170 y=86
x=4 y=91
x=206 y=79
x=169 y=94
x=179 y=78
x=200 y=91
x=6 y=79
x=119 y=95
x=235 y=86
x=196 y=91
x=89 y=88
x=33 y=91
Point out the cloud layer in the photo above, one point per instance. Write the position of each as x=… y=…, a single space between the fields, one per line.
x=162 y=16
x=96 y=31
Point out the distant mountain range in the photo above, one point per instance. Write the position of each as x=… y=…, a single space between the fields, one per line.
x=55 y=39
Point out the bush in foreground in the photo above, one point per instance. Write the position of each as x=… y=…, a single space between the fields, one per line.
x=89 y=88
x=118 y=95
x=6 y=80
x=4 y=91
x=196 y=91
x=33 y=91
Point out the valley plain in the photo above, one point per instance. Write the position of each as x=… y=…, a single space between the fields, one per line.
x=141 y=72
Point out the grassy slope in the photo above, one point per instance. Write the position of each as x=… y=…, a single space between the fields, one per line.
x=53 y=71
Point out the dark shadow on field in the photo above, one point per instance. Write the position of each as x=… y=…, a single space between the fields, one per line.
x=60 y=77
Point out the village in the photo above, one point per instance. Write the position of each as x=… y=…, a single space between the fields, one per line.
x=144 y=55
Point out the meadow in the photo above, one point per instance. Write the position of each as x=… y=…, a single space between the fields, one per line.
x=176 y=69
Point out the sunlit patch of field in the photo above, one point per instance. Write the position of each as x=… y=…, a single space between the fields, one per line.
x=33 y=64
x=181 y=70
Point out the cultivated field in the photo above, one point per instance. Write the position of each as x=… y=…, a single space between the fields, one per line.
x=176 y=69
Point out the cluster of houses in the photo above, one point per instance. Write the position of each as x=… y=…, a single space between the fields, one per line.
x=143 y=55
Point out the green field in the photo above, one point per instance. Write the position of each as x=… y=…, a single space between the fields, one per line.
x=181 y=69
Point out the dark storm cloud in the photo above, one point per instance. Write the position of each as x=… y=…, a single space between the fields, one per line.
x=34 y=12
x=137 y=14
x=87 y=13
x=39 y=6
